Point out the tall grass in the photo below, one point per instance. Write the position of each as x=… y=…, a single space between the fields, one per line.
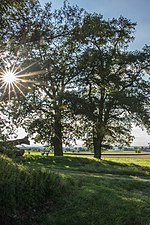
x=24 y=192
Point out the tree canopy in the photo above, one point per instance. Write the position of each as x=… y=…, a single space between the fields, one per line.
x=87 y=85
x=113 y=91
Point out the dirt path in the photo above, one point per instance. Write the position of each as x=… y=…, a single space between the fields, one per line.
x=126 y=156
x=112 y=155
x=107 y=155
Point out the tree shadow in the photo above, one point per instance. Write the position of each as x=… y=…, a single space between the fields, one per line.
x=87 y=165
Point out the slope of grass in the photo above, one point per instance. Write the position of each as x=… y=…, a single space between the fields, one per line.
x=41 y=190
x=107 y=192
x=67 y=164
x=103 y=202
x=24 y=192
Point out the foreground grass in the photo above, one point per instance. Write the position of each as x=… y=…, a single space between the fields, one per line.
x=24 y=192
x=41 y=190
x=107 y=192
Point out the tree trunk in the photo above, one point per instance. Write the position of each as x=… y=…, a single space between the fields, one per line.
x=97 y=143
x=58 y=149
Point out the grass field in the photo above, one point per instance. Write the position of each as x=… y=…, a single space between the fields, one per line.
x=105 y=192
x=89 y=192
x=88 y=152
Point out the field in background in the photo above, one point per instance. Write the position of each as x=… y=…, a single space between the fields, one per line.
x=108 y=154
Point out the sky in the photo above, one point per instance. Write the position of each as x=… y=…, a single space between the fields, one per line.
x=137 y=11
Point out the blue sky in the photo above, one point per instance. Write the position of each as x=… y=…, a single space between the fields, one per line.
x=137 y=11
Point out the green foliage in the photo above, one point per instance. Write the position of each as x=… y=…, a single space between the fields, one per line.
x=24 y=192
x=48 y=43
x=8 y=4
x=7 y=148
x=6 y=126
x=111 y=85
x=138 y=150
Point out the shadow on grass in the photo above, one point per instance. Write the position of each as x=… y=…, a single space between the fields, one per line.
x=104 y=202
x=90 y=165
x=94 y=200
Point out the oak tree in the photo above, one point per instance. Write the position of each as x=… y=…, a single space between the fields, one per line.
x=113 y=85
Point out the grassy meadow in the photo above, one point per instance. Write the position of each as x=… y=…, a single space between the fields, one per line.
x=71 y=190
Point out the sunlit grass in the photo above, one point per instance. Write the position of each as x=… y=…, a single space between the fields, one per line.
x=132 y=161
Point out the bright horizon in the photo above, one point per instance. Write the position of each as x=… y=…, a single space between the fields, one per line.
x=141 y=137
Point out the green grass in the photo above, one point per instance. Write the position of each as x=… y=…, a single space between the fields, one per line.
x=72 y=164
x=92 y=192
x=88 y=152
x=107 y=192
x=24 y=192
x=142 y=162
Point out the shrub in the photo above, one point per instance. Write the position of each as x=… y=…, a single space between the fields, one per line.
x=138 y=150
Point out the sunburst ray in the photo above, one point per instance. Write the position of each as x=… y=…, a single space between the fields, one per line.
x=12 y=76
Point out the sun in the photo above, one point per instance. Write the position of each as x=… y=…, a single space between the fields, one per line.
x=9 y=77
x=13 y=78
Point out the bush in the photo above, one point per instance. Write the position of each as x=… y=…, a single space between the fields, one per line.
x=7 y=148
x=10 y=150
x=138 y=150
x=24 y=192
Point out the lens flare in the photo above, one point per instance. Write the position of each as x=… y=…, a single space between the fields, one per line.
x=13 y=79
x=9 y=77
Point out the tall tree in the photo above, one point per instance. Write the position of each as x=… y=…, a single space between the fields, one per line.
x=44 y=38
x=7 y=7
x=113 y=89
x=81 y=54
